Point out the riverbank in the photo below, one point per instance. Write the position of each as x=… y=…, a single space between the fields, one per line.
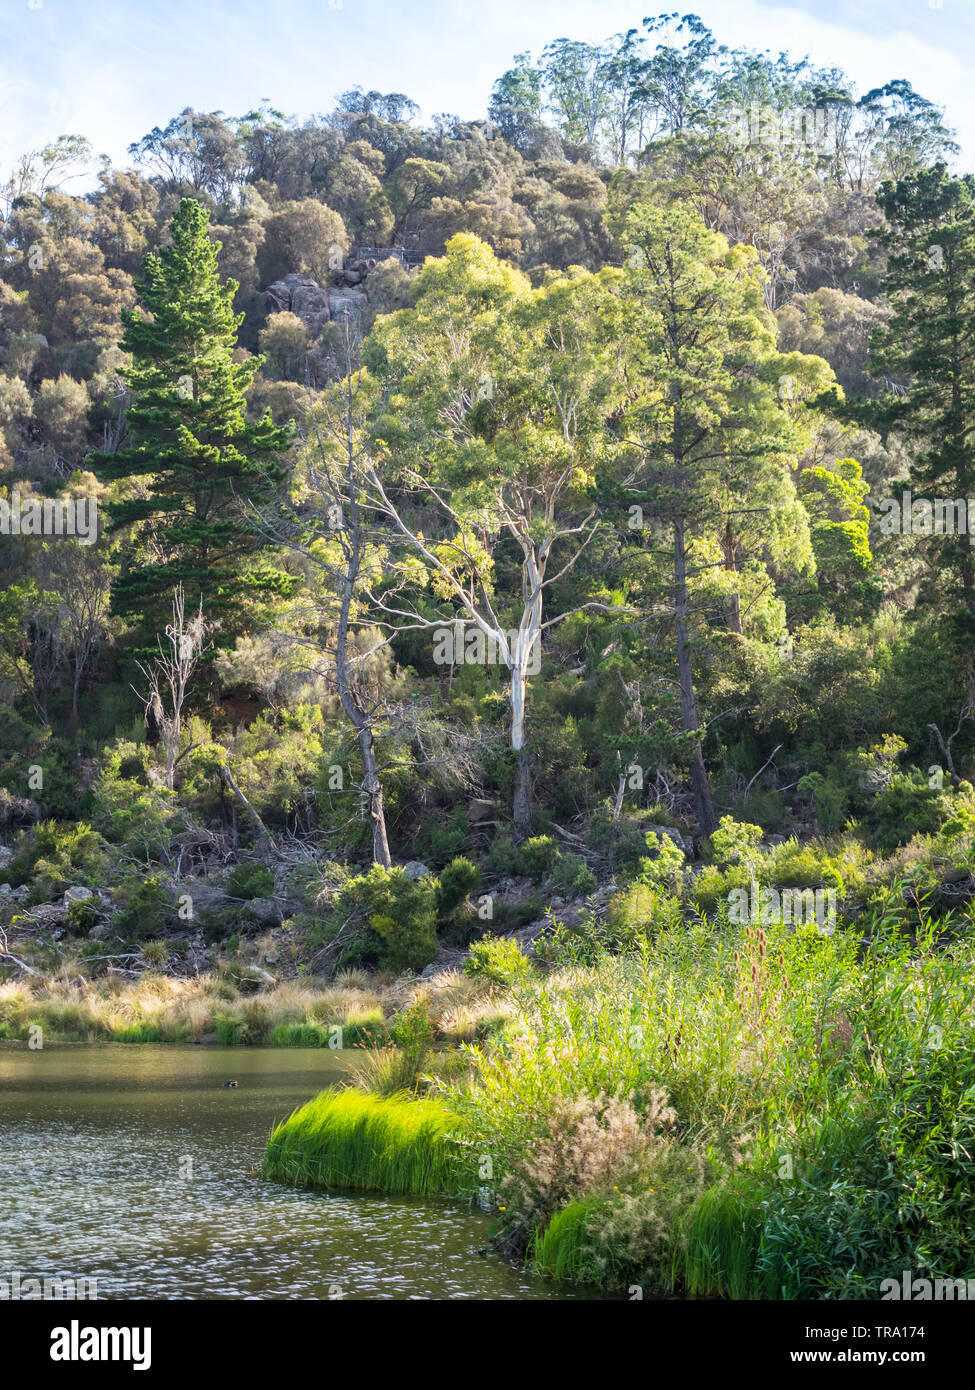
x=356 y=1009
x=742 y=1113
x=710 y=1111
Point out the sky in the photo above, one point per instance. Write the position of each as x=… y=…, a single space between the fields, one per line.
x=113 y=69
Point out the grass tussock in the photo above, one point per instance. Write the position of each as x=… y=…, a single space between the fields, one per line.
x=347 y=1139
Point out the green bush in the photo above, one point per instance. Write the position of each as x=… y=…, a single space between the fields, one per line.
x=443 y=838
x=56 y=854
x=539 y=855
x=504 y=857
x=456 y=883
x=663 y=867
x=735 y=842
x=496 y=960
x=400 y=916
x=712 y=885
x=907 y=807
x=145 y=907
x=250 y=880
x=571 y=874
x=82 y=916
x=130 y=812
x=830 y=798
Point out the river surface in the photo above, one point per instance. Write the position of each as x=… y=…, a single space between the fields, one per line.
x=132 y=1166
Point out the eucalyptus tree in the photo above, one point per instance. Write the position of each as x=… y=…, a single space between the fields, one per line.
x=494 y=398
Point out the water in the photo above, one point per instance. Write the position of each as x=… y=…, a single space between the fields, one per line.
x=130 y=1165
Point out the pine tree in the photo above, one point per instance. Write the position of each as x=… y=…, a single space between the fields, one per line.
x=714 y=427
x=929 y=343
x=188 y=443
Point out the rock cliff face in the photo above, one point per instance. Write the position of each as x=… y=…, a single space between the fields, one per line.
x=313 y=303
x=302 y=296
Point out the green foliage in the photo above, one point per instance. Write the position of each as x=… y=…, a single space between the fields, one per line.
x=907 y=806
x=442 y=839
x=250 y=880
x=82 y=916
x=145 y=906
x=55 y=854
x=830 y=798
x=538 y=855
x=735 y=842
x=344 y=1139
x=664 y=865
x=571 y=875
x=712 y=885
x=132 y=813
x=504 y=857
x=400 y=914
x=496 y=960
x=456 y=883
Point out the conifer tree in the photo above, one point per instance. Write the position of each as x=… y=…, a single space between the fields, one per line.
x=929 y=344
x=190 y=454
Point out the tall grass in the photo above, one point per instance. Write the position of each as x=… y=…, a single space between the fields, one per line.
x=347 y=1139
x=562 y=1249
x=829 y=1081
x=161 y=1009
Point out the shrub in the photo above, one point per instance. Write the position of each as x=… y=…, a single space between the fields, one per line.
x=622 y=842
x=908 y=806
x=250 y=880
x=144 y=907
x=571 y=874
x=82 y=916
x=414 y=1034
x=735 y=842
x=400 y=914
x=830 y=798
x=457 y=881
x=130 y=813
x=662 y=869
x=539 y=855
x=792 y=865
x=632 y=911
x=443 y=838
x=504 y=857
x=712 y=885
x=58 y=854
x=497 y=960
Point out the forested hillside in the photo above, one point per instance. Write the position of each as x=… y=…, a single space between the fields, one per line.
x=532 y=541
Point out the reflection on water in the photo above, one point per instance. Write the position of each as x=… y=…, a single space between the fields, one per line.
x=131 y=1165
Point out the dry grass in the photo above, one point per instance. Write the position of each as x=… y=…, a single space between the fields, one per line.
x=156 y=1007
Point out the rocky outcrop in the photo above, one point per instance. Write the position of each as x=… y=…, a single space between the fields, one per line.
x=302 y=296
x=313 y=303
x=347 y=304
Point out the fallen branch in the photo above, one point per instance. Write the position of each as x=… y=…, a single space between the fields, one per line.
x=6 y=956
x=228 y=778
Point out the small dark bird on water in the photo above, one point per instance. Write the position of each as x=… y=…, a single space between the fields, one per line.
x=226 y=1084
